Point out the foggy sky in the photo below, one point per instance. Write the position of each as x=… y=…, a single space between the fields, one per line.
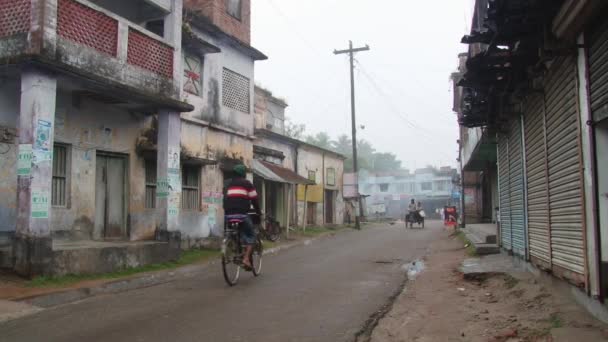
x=404 y=96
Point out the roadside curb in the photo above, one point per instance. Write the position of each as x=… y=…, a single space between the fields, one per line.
x=45 y=301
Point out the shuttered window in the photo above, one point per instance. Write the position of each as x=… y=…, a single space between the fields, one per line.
x=190 y=187
x=60 y=176
x=150 y=184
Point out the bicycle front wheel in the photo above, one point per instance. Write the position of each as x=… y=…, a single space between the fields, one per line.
x=231 y=266
x=256 y=257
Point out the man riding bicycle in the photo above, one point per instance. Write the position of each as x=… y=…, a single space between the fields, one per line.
x=239 y=196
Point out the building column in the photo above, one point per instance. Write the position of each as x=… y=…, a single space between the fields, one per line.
x=32 y=246
x=169 y=184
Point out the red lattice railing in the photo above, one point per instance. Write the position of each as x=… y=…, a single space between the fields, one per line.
x=14 y=16
x=150 y=54
x=87 y=26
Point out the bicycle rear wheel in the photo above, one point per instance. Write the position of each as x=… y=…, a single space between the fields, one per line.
x=256 y=257
x=274 y=233
x=230 y=264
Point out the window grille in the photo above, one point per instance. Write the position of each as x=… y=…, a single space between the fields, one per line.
x=192 y=74
x=60 y=176
x=150 y=184
x=235 y=91
x=190 y=188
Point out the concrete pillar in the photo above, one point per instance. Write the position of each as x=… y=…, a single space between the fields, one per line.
x=173 y=33
x=32 y=246
x=168 y=173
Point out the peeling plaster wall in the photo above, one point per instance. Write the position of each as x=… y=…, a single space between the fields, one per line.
x=88 y=128
x=9 y=115
x=288 y=150
x=209 y=143
x=208 y=106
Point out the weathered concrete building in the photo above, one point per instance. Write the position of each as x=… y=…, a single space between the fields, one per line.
x=81 y=83
x=318 y=198
x=218 y=80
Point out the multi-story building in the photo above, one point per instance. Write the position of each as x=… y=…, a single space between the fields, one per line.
x=390 y=192
x=82 y=82
x=536 y=86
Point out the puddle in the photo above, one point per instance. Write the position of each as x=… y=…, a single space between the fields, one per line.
x=413 y=269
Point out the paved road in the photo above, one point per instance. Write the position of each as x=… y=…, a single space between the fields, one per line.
x=323 y=291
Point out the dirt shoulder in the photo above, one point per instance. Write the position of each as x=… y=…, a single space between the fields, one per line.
x=440 y=305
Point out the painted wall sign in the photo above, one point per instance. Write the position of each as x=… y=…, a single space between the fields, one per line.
x=40 y=204
x=211 y=197
x=24 y=160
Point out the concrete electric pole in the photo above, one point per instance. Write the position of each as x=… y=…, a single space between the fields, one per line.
x=351 y=53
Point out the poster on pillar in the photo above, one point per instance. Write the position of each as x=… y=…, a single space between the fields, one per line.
x=24 y=160
x=42 y=143
x=173 y=160
x=40 y=204
x=162 y=188
x=173 y=205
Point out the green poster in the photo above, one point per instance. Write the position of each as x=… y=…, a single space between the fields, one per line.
x=162 y=188
x=24 y=160
x=40 y=204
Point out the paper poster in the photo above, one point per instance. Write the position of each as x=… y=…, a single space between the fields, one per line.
x=24 y=160
x=40 y=204
x=212 y=217
x=175 y=184
x=40 y=156
x=43 y=136
x=174 y=160
x=162 y=188
x=173 y=206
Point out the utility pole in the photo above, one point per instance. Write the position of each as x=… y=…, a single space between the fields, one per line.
x=351 y=53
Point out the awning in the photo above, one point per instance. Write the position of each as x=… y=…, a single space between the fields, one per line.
x=276 y=173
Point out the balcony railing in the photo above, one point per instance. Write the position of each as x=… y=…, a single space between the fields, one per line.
x=88 y=25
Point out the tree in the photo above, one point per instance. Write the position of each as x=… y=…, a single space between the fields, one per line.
x=343 y=145
x=321 y=139
x=386 y=162
x=294 y=130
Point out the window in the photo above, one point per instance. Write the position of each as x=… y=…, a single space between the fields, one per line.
x=383 y=187
x=156 y=26
x=190 y=187
x=60 y=176
x=426 y=186
x=401 y=188
x=331 y=176
x=150 y=184
x=193 y=69
x=312 y=175
x=441 y=186
x=235 y=91
x=233 y=7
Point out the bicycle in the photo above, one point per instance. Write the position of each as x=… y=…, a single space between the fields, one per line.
x=233 y=250
x=272 y=231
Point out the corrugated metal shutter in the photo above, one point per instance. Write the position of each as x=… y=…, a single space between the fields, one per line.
x=536 y=174
x=504 y=181
x=516 y=174
x=598 y=71
x=564 y=160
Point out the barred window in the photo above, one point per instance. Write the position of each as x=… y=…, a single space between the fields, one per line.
x=190 y=187
x=60 y=176
x=331 y=176
x=235 y=91
x=150 y=184
x=233 y=7
x=426 y=186
x=383 y=187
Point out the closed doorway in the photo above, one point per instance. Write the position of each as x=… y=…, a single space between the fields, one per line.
x=311 y=213
x=329 y=206
x=110 y=195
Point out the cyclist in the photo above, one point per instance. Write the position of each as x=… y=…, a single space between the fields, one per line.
x=239 y=197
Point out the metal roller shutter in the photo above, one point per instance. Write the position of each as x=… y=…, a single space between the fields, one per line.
x=598 y=71
x=536 y=174
x=516 y=174
x=564 y=161
x=504 y=181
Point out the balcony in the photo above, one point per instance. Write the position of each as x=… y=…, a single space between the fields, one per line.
x=82 y=38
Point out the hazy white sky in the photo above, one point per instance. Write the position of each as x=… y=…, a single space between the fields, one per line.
x=404 y=96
